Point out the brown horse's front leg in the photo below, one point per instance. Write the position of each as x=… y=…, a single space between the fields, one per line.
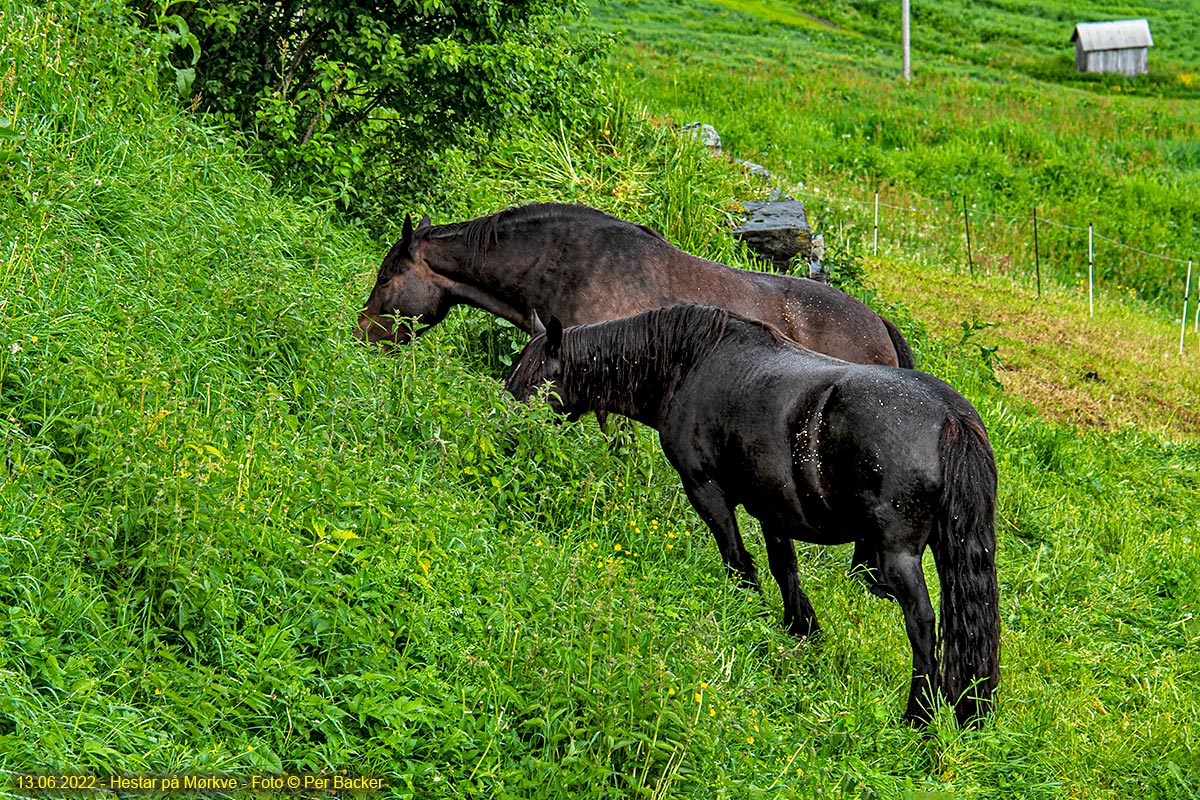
x=714 y=508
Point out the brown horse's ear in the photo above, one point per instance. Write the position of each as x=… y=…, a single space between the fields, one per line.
x=401 y=250
x=554 y=333
x=406 y=233
x=536 y=328
x=408 y=238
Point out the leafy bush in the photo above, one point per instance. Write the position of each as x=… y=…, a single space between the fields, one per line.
x=360 y=97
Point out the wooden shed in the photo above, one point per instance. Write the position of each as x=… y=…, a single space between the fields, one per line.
x=1121 y=46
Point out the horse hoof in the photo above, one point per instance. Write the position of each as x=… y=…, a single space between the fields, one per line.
x=921 y=706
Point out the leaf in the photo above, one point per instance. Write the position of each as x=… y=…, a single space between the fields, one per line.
x=184 y=78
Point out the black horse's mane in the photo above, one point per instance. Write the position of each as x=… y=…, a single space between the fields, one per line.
x=621 y=361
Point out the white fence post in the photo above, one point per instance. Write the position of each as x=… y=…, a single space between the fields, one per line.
x=1091 y=277
x=1187 y=290
x=876 y=249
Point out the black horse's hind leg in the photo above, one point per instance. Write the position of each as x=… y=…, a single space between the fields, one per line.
x=798 y=614
x=714 y=508
x=906 y=578
x=865 y=565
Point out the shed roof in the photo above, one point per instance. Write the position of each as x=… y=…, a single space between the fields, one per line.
x=1117 y=35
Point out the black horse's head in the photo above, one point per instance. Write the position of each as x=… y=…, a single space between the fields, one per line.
x=541 y=364
x=405 y=289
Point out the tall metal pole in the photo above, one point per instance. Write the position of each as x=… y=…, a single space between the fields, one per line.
x=905 y=40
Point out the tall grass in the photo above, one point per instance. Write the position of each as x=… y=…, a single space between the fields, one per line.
x=233 y=540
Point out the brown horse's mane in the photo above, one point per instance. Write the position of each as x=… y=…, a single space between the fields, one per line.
x=479 y=235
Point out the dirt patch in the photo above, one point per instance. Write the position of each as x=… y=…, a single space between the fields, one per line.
x=1119 y=367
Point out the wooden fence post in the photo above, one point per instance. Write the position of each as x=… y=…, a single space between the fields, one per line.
x=967 y=222
x=1037 y=260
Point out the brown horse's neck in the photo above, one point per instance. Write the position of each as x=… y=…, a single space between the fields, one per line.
x=456 y=270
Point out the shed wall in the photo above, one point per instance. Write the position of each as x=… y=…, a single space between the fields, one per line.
x=1131 y=61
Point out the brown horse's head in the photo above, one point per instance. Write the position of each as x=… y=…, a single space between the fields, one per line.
x=405 y=289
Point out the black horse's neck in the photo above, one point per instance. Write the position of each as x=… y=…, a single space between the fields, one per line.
x=633 y=366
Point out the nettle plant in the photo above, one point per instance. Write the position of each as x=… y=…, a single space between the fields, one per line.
x=358 y=96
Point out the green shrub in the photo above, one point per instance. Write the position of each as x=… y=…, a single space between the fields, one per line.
x=355 y=100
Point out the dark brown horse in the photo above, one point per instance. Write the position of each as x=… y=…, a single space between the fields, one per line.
x=818 y=450
x=581 y=265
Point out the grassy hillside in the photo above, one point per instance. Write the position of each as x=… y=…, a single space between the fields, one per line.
x=233 y=540
x=822 y=106
x=814 y=95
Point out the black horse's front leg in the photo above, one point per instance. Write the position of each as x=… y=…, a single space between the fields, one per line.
x=714 y=508
x=798 y=613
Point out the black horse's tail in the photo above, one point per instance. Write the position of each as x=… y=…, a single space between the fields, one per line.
x=904 y=353
x=964 y=544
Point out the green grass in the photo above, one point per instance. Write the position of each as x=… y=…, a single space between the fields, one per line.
x=1031 y=38
x=233 y=540
x=825 y=110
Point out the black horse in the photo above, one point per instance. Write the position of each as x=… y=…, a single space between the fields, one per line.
x=816 y=449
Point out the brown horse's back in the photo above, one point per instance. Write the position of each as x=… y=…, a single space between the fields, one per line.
x=643 y=271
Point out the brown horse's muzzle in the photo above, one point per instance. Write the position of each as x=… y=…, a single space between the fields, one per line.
x=373 y=330
x=383 y=331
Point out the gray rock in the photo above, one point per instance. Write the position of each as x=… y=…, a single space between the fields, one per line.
x=816 y=252
x=778 y=231
x=706 y=134
x=751 y=168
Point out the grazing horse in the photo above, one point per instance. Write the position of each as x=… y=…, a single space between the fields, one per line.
x=818 y=450
x=581 y=265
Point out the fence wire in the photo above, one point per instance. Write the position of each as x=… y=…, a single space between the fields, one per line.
x=876 y=204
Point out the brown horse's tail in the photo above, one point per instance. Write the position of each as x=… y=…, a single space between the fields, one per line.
x=904 y=353
x=964 y=544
